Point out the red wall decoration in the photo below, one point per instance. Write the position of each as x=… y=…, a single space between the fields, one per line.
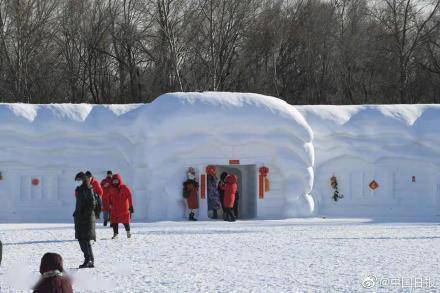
x=35 y=181
x=263 y=181
x=203 y=186
x=374 y=185
x=260 y=186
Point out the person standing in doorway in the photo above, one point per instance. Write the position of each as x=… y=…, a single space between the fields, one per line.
x=84 y=217
x=214 y=202
x=121 y=204
x=221 y=190
x=106 y=185
x=236 y=204
x=230 y=191
x=190 y=193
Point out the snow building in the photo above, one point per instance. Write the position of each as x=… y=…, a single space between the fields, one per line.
x=263 y=140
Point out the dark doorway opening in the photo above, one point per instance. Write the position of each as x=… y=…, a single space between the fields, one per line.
x=247 y=188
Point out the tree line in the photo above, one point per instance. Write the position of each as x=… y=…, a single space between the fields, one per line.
x=303 y=51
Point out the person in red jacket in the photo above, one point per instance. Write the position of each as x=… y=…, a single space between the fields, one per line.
x=106 y=185
x=190 y=193
x=231 y=188
x=95 y=184
x=121 y=204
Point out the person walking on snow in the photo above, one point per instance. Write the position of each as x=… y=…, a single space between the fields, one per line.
x=106 y=185
x=84 y=217
x=190 y=193
x=53 y=277
x=230 y=191
x=121 y=205
x=214 y=202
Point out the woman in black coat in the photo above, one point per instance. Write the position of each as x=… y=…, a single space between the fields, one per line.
x=84 y=216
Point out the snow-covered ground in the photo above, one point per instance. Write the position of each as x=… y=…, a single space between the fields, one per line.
x=296 y=255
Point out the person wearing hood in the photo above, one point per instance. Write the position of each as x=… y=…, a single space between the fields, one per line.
x=190 y=193
x=84 y=217
x=231 y=188
x=121 y=204
x=53 y=278
x=214 y=202
x=106 y=185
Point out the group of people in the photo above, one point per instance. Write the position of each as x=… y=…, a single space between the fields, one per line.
x=114 y=199
x=222 y=194
x=111 y=197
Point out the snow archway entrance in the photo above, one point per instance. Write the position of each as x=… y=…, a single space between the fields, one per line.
x=247 y=188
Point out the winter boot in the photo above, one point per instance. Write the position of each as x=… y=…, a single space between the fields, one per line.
x=84 y=265
x=105 y=223
x=87 y=265
x=115 y=236
x=215 y=215
x=128 y=234
x=191 y=217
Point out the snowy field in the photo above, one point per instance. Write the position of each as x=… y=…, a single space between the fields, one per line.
x=297 y=255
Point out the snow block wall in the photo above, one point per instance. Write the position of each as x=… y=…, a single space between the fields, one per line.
x=397 y=146
x=152 y=145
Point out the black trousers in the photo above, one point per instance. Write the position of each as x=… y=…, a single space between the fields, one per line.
x=235 y=208
x=86 y=248
x=229 y=215
x=116 y=228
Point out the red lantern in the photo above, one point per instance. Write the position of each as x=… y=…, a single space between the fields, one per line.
x=211 y=170
x=35 y=181
x=264 y=171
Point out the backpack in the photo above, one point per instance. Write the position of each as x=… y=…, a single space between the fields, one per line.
x=98 y=207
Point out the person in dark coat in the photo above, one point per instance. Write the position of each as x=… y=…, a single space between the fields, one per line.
x=236 y=206
x=214 y=202
x=84 y=217
x=53 y=278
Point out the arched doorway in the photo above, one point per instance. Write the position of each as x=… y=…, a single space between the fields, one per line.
x=247 y=187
